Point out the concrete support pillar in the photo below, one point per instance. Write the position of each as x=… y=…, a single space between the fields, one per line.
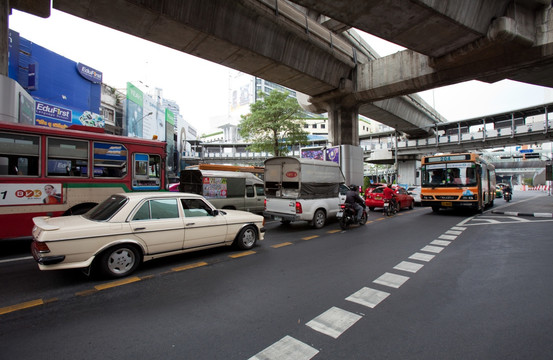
x=343 y=124
x=407 y=172
x=4 y=16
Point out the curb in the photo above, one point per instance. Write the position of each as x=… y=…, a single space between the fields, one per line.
x=512 y=213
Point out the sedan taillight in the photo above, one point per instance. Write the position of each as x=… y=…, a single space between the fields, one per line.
x=299 y=210
x=41 y=247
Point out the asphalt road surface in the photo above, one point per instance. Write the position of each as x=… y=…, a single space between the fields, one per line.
x=417 y=285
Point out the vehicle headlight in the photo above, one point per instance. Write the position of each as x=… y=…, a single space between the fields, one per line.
x=427 y=197
x=468 y=197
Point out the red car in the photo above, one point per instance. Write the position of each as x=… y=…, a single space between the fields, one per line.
x=374 y=199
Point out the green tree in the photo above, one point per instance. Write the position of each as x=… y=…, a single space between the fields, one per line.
x=272 y=124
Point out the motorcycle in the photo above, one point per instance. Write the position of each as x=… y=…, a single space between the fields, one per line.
x=346 y=216
x=389 y=208
x=507 y=196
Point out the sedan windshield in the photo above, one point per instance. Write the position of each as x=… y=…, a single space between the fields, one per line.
x=454 y=174
x=106 y=209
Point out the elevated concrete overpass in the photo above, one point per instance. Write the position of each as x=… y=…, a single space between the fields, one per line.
x=270 y=39
x=309 y=49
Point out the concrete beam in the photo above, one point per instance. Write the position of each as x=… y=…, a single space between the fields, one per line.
x=276 y=44
x=36 y=7
x=430 y=27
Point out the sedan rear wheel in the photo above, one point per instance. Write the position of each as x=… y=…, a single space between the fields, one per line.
x=246 y=238
x=120 y=260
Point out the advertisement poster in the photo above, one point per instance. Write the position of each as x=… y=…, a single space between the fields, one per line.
x=333 y=154
x=61 y=118
x=215 y=188
x=134 y=111
x=31 y=194
x=312 y=153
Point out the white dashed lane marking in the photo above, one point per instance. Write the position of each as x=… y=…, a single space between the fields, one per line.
x=391 y=280
x=334 y=322
x=421 y=257
x=440 y=242
x=432 y=249
x=408 y=266
x=368 y=297
x=447 y=237
x=287 y=348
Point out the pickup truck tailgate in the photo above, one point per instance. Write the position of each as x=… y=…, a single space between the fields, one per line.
x=283 y=206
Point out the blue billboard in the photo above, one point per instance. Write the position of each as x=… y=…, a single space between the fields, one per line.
x=66 y=92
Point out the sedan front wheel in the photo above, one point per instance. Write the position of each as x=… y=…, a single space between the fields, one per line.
x=247 y=238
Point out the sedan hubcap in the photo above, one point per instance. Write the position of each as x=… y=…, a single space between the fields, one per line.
x=121 y=261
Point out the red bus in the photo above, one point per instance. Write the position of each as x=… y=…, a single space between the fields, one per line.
x=54 y=172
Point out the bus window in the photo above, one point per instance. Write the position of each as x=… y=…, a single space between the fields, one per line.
x=147 y=172
x=67 y=157
x=19 y=154
x=110 y=160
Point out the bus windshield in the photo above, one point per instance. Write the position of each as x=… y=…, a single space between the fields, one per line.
x=449 y=175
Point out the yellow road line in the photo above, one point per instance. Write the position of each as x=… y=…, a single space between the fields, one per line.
x=86 y=292
x=333 y=231
x=117 y=283
x=190 y=266
x=245 y=253
x=281 y=245
x=310 y=237
x=380 y=219
x=25 y=305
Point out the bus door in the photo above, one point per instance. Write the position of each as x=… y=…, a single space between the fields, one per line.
x=146 y=172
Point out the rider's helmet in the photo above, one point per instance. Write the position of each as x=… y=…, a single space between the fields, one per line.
x=354 y=187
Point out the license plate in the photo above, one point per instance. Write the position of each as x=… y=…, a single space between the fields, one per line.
x=278 y=218
x=378 y=198
x=339 y=214
x=447 y=203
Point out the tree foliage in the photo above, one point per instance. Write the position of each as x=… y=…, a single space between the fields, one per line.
x=272 y=124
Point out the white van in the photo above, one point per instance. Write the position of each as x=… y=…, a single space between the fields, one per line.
x=302 y=189
x=225 y=189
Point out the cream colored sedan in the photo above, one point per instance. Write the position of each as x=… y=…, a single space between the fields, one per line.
x=128 y=228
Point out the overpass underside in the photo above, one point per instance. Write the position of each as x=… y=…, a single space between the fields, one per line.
x=272 y=40
x=304 y=47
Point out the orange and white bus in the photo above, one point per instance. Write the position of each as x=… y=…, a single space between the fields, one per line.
x=463 y=180
x=53 y=172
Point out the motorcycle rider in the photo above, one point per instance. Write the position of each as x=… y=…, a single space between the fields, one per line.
x=507 y=189
x=389 y=194
x=353 y=199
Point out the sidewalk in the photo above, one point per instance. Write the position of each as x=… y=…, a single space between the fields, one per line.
x=536 y=204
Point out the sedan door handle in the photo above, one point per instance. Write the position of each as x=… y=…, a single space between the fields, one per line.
x=139 y=228
x=189 y=224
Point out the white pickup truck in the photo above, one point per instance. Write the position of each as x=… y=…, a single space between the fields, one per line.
x=302 y=189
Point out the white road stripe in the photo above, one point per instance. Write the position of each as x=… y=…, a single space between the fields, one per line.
x=453 y=232
x=16 y=259
x=391 y=280
x=447 y=237
x=334 y=321
x=368 y=297
x=422 y=257
x=460 y=228
x=408 y=266
x=287 y=348
x=432 y=249
x=440 y=242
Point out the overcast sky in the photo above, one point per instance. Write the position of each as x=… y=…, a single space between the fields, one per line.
x=200 y=87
